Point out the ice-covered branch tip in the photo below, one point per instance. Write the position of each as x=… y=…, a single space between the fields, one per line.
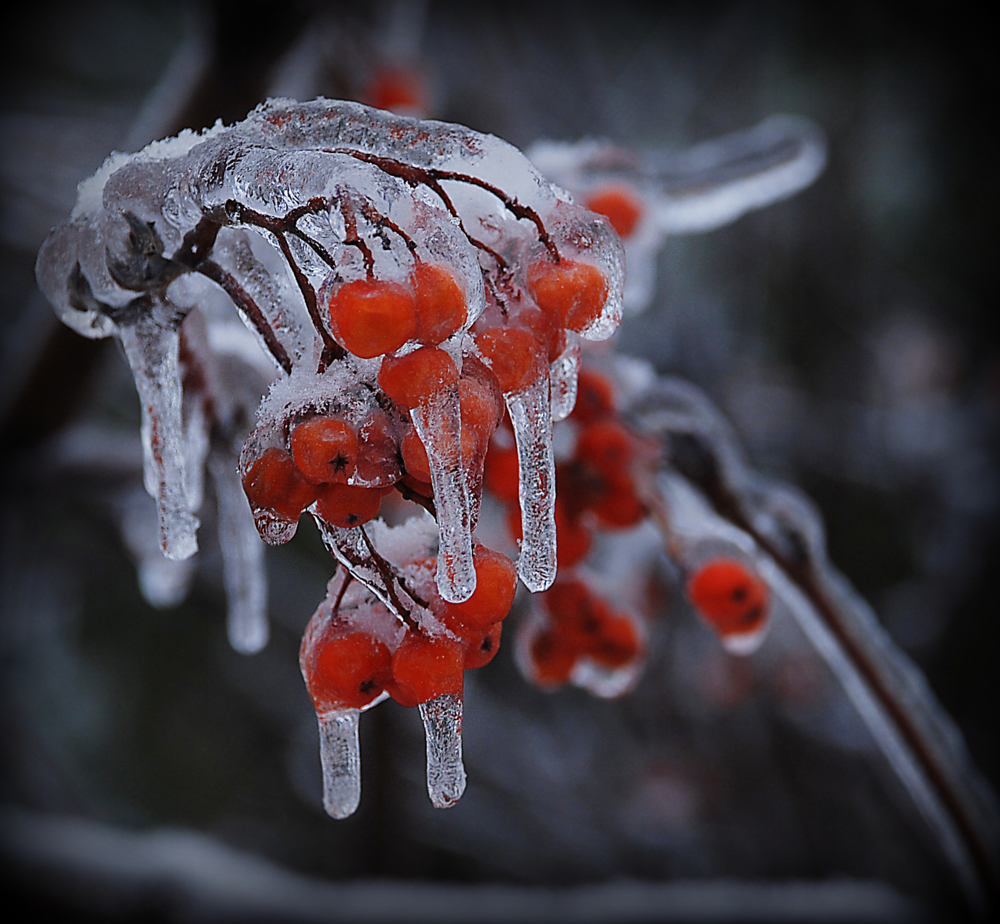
x=343 y=235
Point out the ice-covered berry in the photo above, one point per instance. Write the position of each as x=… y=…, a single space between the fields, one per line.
x=325 y=450
x=412 y=380
x=619 y=205
x=552 y=659
x=496 y=582
x=424 y=668
x=514 y=355
x=348 y=505
x=440 y=304
x=369 y=317
x=729 y=596
x=573 y=292
x=349 y=672
x=275 y=483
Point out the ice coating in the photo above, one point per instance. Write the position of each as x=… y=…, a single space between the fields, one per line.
x=340 y=758
x=531 y=415
x=243 y=559
x=152 y=354
x=438 y=423
x=442 y=718
x=694 y=190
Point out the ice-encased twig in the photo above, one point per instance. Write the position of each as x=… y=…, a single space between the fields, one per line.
x=152 y=350
x=242 y=558
x=708 y=492
x=340 y=757
x=439 y=426
x=442 y=719
x=531 y=416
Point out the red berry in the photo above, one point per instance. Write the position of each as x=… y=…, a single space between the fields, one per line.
x=606 y=445
x=619 y=205
x=546 y=330
x=397 y=89
x=414 y=455
x=424 y=668
x=729 y=596
x=440 y=304
x=350 y=671
x=325 y=450
x=480 y=645
x=618 y=505
x=617 y=644
x=552 y=659
x=502 y=474
x=274 y=482
x=514 y=355
x=347 y=505
x=480 y=397
x=378 y=463
x=411 y=380
x=496 y=582
x=595 y=396
x=573 y=292
x=370 y=317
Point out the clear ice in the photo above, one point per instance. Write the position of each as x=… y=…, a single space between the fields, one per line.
x=442 y=718
x=439 y=426
x=340 y=758
x=531 y=415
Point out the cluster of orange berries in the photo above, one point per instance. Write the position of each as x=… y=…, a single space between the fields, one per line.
x=596 y=489
x=353 y=653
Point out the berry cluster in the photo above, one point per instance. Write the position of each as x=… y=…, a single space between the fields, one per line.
x=597 y=489
x=355 y=650
x=581 y=627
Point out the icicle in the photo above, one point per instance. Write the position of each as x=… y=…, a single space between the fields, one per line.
x=439 y=426
x=340 y=756
x=443 y=730
x=152 y=350
x=530 y=413
x=563 y=375
x=242 y=559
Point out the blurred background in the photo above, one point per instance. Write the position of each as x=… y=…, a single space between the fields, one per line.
x=150 y=771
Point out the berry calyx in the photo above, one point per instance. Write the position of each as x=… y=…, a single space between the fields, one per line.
x=275 y=483
x=325 y=450
x=573 y=292
x=729 y=596
x=347 y=505
x=425 y=668
x=480 y=645
x=350 y=672
x=440 y=303
x=412 y=380
x=619 y=205
x=369 y=317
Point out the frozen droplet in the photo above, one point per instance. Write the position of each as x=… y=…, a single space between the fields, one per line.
x=152 y=351
x=530 y=413
x=439 y=426
x=340 y=757
x=242 y=559
x=443 y=730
